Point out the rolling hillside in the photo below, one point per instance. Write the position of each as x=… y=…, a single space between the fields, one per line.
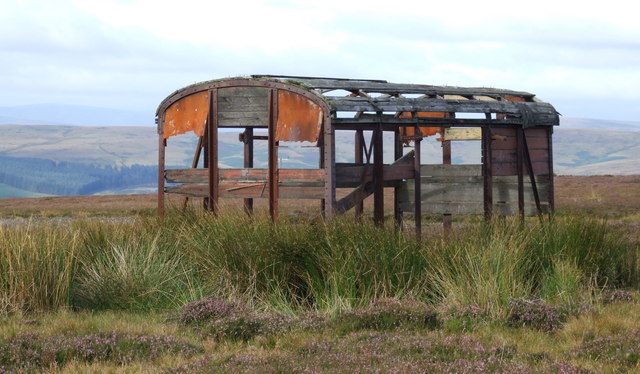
x=67 y=160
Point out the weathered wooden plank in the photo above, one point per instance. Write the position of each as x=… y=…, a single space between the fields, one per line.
x=504 y=189
x=474 y=208
x=244 y=175
x=243 y=107
x=462 y=134
x=510 y=155
x=390 y=122
x=249 y=191
x=397 y=88
x=451 y=170
x=510 y=168
x=354 y=104
x=509 y=142
x=351 y=175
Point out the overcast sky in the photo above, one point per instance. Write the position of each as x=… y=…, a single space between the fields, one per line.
x=581 y=56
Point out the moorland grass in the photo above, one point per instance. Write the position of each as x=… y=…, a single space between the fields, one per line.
x=305 y=264
x=198 y=294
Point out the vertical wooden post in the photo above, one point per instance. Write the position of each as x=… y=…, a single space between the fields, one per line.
x=446 y=160
x=417 y=177
x=162 y=144
x=212 y=142
x=205 y=159
x=248 y=163
x=273 y=154
x=194 y=164
x=487 y=172
x=378 y=176
x=519 y=171
x=329 y=167
x=359 y=159
x=397 y=153
x=532 y=177
x=552 y=203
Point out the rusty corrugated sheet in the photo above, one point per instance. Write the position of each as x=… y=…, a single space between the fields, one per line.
x=187 y=114
x=299 y=119
x=425 y=130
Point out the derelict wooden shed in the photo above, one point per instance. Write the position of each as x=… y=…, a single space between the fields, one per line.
x=515 y=130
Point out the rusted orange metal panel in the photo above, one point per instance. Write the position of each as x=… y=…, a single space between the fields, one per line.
x=187 y=114
x=425 y=130
x=299 y=119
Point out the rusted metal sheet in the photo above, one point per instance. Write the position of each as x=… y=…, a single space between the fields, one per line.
x=424 y=130
x=187 y=114
x=299 y=119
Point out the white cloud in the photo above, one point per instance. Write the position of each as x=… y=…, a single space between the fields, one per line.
x=133 y=53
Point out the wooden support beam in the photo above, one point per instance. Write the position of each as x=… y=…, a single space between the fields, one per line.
x=273 y=155
x=532 y=177
x=397 y=154
x=194 y=164
x=366 y=188
x=329 y=165
x=519 y=170
x=487 y=172
x=212 y=142
x=551 y=187
x=248 y=163
x=378 y=177
x=446 y=160
x=359 y=159
x=162 y=144
x=418 y=192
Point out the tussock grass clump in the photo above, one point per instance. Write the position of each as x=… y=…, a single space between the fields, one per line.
x=304 y=264
x=37 y=266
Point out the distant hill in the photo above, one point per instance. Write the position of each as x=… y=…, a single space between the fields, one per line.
x=78 y=115
x=58 y=160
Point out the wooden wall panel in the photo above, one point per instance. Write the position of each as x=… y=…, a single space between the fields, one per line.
x=458 y=189
x=504 y=150
x=243 y=107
